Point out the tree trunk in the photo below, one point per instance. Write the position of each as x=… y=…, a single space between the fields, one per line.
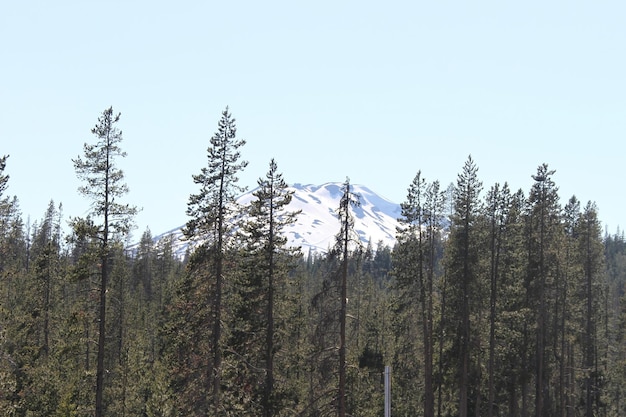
x=465 y=325
x=269 y=344
x=104 y=259
x=216 y=370
x=101 y=334
x=492 y=317
x=342 y=318
x=441 y=337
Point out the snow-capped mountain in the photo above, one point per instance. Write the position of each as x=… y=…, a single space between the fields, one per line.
x=375 y=220
x=316 y=227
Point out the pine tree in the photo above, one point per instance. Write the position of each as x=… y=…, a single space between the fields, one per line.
x=512 y=317
x=39 y=302
x=368 y=331
x=410 y=258
x=20 y=341
x=11 y=231
x=566 y=307
x=615 y=258
x=434 y=205
x=329 y=316
x=143 y=267
x=4 y=179
x=104 y=186
x=591 y=251
x=497 y=206
x=343 y=239
x=463 y=255
x=264 y=291
x=46 y=253
x=187 y=337
x=543 y=234
x=211 y=212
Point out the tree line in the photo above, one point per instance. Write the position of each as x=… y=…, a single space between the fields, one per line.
x=493 y=302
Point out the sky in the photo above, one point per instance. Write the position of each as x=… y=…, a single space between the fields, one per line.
x=373 y=91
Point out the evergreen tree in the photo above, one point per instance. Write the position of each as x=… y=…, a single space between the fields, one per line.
x=410 y=258
x=329 y=316
x=260 y=316
x=591 y=251
x=323 y=316
x=497 y=206
x=46 y=253
x=566 y=308
x=14 y=329
x=543 y=244
x=615 y=258
x=513 y=318
x=187 y=337
x=368 y=331
x=4 y=178
x=211 y=212
x=104 y=185
x=343 y=239
x=434 y=205
x=463 y=271
x=143 y=267
x=38 y=300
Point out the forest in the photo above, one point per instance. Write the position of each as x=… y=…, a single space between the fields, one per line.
x=493 y=302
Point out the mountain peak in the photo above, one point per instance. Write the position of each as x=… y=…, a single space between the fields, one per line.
x=375 y=220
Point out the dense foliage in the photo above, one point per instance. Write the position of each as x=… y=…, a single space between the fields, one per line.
x=493 y=302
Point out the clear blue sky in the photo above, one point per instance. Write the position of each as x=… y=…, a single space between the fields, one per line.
x=371 y=90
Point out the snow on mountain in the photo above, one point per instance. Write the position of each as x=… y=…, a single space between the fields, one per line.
x=317 y=225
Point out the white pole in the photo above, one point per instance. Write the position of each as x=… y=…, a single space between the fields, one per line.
x=387 y=391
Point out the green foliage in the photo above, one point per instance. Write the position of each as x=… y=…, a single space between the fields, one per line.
x=186 y=335
x=104 y=181
x=210 y=209
x=512 y=305
x=4 y=179
x=104 y=186
x=212 y=218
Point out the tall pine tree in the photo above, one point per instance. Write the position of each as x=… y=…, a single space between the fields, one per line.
x=343 y=239
x=211 y=212
x=104 y=185
x=261 y=320
x=462 y=263
x=410 y=260
x=544 y=230
x=590 y=249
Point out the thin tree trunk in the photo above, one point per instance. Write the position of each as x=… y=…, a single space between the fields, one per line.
x=429 y=395
x=441 y=336
x=103 y=290
x=525 y=371
x=46 y=317
x=588 y=348
x=479 y=367
x=342 y=331
x=572 y=380
x=217 y=301
x=563 y=356
x=513 y=400
x=492 y=317
x=541 y=325
x=465 y=323
x=269 y=353
x=101 y=336
x=562 y=392
x=217 y=327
